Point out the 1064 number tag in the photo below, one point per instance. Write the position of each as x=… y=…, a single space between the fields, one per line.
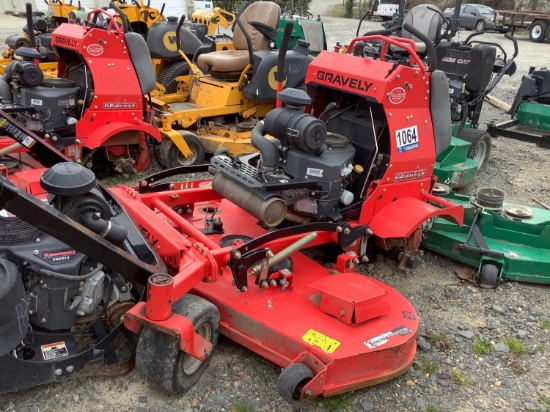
x=407 y=139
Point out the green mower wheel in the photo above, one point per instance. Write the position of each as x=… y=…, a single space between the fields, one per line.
x=159 y=359
x=488 y=276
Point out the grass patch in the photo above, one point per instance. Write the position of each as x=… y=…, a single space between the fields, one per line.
x=543 y=323
x=482 y=346
x=545 y=401
x=434 y=338
x=239 y=407
x=516 y=346
x=541 y=348
x=432 y=409
x=459 y=378
x=426 y=366
x=339 y=402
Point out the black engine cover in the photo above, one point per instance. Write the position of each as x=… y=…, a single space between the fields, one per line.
x=476 y=63
x=14 y=320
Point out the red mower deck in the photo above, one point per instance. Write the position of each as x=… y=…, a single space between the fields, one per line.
x=352 y=331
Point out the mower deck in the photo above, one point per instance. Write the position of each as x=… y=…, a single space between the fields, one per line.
x=517 y=246
x=514 y=130
x=350 y=330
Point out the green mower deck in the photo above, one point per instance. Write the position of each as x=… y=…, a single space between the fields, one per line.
x=505 y=242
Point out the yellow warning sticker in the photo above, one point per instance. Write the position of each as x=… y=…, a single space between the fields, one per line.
x=323 y=341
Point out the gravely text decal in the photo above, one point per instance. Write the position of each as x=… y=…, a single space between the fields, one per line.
x=345 y=81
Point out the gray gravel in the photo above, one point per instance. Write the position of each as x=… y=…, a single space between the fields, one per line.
x=447 y=375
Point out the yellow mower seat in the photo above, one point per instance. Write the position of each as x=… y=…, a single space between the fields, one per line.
x=236 y=60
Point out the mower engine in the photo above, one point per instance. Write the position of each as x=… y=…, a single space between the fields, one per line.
x=469 y=69
x=50 y=100
x=51 y=285
x=305 y=168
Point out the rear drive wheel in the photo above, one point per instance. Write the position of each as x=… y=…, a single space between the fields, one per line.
x=488 y=276
x=170 y=155
x=159 y=359
x=537 y=32
x=292 y=380
x=480 y=150
x=481 y=25
x=167 y=76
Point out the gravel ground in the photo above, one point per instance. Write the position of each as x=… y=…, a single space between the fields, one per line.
x=448 y=374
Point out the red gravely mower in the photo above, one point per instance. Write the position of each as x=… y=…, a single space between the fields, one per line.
x=354 y=175
x=94 y=110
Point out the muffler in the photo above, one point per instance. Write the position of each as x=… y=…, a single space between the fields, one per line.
x=270 y=211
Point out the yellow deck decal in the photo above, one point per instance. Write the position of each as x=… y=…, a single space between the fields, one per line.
x=323 y=341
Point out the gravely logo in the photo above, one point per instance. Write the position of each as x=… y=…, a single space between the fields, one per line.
x=345 y=81
x=119 y=105
x=397 y=95
x=65 y=41
x=413 y=174
x=95 y=50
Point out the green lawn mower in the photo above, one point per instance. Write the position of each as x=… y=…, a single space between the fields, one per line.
x=306 y=28
x=530 y=111
x=473 y=69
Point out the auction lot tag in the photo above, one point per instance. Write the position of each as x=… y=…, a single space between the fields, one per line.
x=54 y=351
x=323 y=341
x=407 y=139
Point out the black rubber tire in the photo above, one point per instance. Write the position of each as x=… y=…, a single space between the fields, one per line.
x=480 y=26
x=168 y=75
x=548 y=35
x=221 y=151
x=156 y=152
x=480 y=150
x=159 y=359
x=171 y=157
x=488 y=276
x=292 y=380
x=537 y=32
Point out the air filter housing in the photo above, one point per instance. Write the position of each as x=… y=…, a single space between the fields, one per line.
x=67 y=179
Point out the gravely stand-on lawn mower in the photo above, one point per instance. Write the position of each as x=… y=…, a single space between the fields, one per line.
x=473 y=70
x=235 y=240
x=95 y=110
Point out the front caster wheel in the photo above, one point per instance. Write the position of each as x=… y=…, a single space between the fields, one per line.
x=292 y=380
x=170 y=156
x=488 y=276
x=159 y=359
